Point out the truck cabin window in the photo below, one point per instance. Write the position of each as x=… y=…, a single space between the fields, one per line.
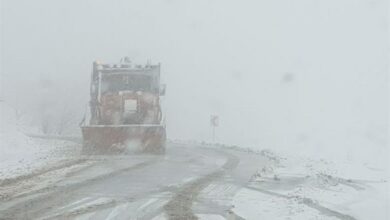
x=118 y=82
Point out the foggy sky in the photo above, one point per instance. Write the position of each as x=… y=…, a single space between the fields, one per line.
x=278 y=73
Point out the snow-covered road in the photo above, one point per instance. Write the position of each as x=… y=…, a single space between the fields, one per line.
x=189 y=182
x=192 y=181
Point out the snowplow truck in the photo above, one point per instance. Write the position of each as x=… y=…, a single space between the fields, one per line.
x=125 y=111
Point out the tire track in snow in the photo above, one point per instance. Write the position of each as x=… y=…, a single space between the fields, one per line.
x=15 y=180
x=180 y=206
x=49 y=199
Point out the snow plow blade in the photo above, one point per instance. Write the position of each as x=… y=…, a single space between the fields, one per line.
x=116 y=139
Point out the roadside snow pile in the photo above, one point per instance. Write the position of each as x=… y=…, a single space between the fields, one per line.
x=11 y=139
x=333 y=189
x=20 y=154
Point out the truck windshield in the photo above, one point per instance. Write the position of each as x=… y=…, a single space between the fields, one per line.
x=116 y=83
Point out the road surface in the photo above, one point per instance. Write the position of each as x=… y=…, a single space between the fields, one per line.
x=188 y=182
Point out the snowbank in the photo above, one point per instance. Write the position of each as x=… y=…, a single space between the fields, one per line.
x=14 y=144
x=20 y=154
x=329 y=188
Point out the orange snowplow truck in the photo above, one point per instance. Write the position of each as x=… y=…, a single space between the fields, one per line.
x=125 y=109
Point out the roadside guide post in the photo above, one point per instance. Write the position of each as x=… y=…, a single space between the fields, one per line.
x=214 y=122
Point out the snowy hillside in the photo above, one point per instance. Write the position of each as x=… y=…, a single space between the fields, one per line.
x=20 y=154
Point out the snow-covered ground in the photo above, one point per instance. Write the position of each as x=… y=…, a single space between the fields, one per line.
x=291 y=186
x=303 y=187
x=20 y=154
